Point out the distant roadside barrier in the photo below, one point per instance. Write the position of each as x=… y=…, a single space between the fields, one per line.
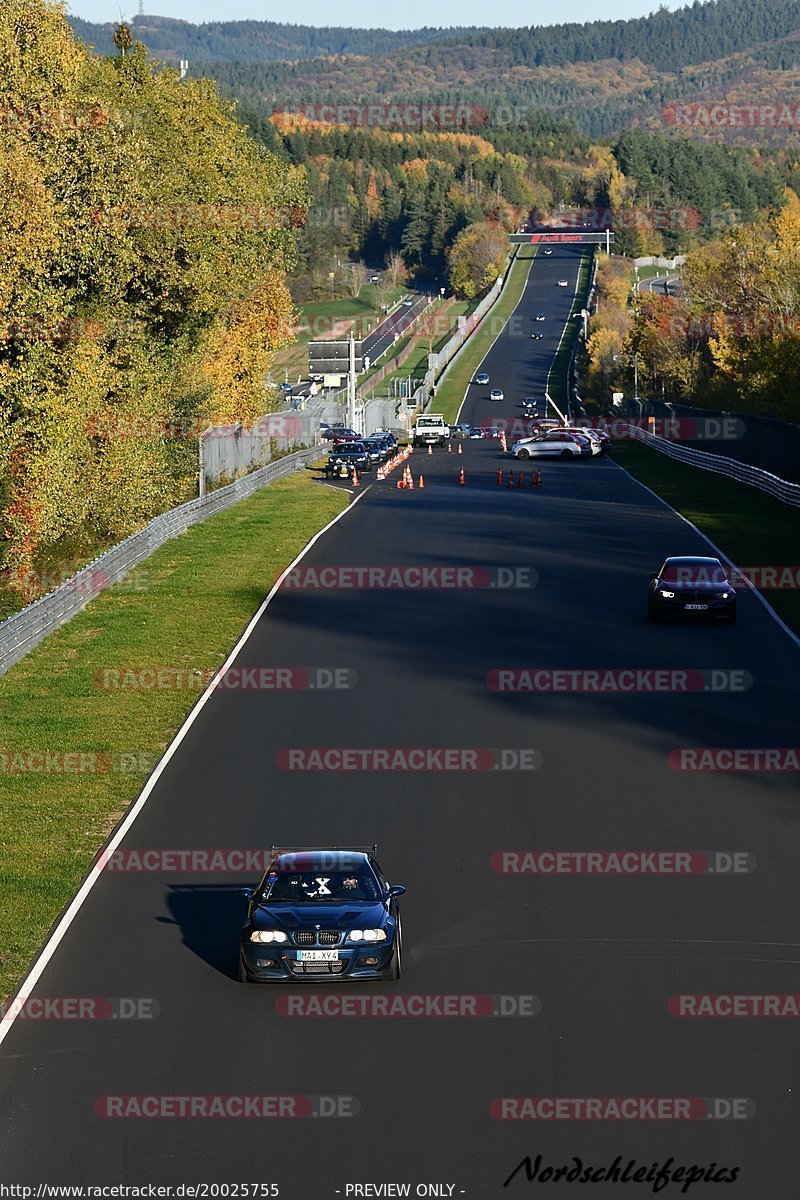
x=27 y=628
x=731 y=468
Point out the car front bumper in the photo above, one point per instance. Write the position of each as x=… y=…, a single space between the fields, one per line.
x=709 y=607
x=280 y=964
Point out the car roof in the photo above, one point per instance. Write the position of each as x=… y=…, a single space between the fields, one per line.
x=693 y=558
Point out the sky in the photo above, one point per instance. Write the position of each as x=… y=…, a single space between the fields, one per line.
x=411 y=14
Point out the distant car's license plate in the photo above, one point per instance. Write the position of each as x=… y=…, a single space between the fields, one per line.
x=317 y=955
x=696 y=607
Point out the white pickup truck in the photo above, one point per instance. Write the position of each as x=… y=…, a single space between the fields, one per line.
x=429 y=429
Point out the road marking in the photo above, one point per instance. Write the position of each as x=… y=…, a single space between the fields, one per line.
x=721 y=554
x=54 y=939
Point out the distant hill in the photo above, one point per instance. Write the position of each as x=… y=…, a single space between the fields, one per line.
x=255 y=41
x=602 y=76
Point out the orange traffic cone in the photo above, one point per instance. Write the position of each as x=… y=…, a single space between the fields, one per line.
x=401 y=482
x=520 y=481
x=461 y=479
x=354 y=478
x=533 y=478
x=421 y=481
x=510 y=478
x=499 y=477
x=459 y=447
x=430 y=448
x=449 y=448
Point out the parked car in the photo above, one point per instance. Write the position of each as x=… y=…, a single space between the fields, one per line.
x=379 y=448
x=430 y=428
x=692 y=587
x=590 y=436
x=556 y=444
x=388 y=435
x=461 y=430
x=337 y=433
x=344 y=457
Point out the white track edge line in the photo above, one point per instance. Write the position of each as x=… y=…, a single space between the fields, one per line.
x=56 y=936
x=751 y=586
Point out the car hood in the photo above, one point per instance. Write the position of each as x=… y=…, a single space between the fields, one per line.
x=330 y=915
x=704 y=586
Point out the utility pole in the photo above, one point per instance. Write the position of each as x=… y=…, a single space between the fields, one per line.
x=636 y=377
x=351 y=386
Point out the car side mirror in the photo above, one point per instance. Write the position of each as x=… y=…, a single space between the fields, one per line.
x=653 y=578
x=246 y=893
x=397 y=890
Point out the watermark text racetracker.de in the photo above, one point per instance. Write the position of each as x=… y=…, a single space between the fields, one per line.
x=411 y=759
x=735 y=758
x=224 y=1106
x=160 y=678
x=414 y=1005
x=79 y=1008
x=618 y=680
x=621 y=1108
x=410 y=578
x=622 y=862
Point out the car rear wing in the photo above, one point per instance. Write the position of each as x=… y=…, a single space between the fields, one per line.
x=373 y=849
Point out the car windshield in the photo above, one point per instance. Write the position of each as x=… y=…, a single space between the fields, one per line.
x=693 y=573
x=317 y=886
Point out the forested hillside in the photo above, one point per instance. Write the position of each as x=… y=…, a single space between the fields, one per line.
x=145 y=239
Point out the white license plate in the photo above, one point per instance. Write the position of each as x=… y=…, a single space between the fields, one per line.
x=317 y=955
x=696 y=607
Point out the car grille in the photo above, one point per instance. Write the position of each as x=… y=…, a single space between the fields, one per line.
x=318 y=968
x=322 y=937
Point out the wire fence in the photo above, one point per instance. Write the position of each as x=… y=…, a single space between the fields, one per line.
x=731 y=468
x=27 y=628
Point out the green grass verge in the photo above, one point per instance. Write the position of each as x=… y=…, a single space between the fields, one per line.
x=184 y=608
x=750 y=527
x=450 y=391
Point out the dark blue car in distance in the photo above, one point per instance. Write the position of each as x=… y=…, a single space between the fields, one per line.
x=324 y=914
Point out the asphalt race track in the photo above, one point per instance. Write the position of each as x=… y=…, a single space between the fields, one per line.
x=601 y=953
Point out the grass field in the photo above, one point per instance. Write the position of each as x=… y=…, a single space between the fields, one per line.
x=182 y=609
x=751 y=528
x=317 y=320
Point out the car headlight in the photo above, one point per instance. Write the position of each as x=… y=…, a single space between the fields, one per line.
x=667 y=595
x=367 y=935
x=268 y=935
x=723 y=595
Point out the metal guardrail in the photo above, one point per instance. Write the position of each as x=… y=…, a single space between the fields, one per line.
x=27 y=628
x=731 y=468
